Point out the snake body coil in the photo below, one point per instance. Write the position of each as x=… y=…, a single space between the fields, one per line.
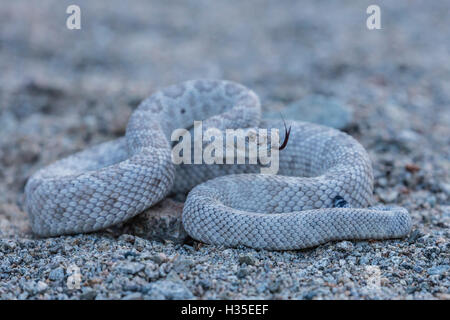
x=114 y=181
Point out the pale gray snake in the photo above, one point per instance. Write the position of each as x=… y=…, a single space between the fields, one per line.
x=321 y=169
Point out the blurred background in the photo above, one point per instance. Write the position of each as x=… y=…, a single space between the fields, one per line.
x=62 y=90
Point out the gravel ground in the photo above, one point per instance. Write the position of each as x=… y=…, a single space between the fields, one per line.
x=63 y=90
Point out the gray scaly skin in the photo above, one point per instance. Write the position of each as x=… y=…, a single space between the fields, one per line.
x=321 y=170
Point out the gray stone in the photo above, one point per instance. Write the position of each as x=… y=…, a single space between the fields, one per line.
x=7 y=246
x=445 y=187
x=309 y=295
x=318 y=109
x=242 y=273
x=88 y=294
x=158 y=258
x=56 y=274
x=274 y=286
x=168 y=289
x=33 y=287
x=161 y=222
x=41 y=286
x=388 y=196
x=127 y=238
x=247 y=259
x=152 y=272
x=182 y=265
x=438 y=269
x=414 y=235
x=417 y=269
x=205 y=284
x=345 y=246
x=133 y=296
x=130 y=267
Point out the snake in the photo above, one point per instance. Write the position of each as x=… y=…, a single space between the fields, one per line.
x=323 y=190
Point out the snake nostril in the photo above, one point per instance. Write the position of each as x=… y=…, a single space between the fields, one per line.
x=339 y=202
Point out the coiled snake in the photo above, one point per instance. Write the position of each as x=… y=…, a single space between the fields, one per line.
x=322 y=192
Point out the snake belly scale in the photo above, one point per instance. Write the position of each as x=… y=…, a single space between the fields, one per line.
x=227 y=205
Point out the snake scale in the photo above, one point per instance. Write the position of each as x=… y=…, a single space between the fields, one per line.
x=322 y=192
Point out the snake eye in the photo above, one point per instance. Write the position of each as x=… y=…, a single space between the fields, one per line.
x=339 y=202
x=182 y=111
